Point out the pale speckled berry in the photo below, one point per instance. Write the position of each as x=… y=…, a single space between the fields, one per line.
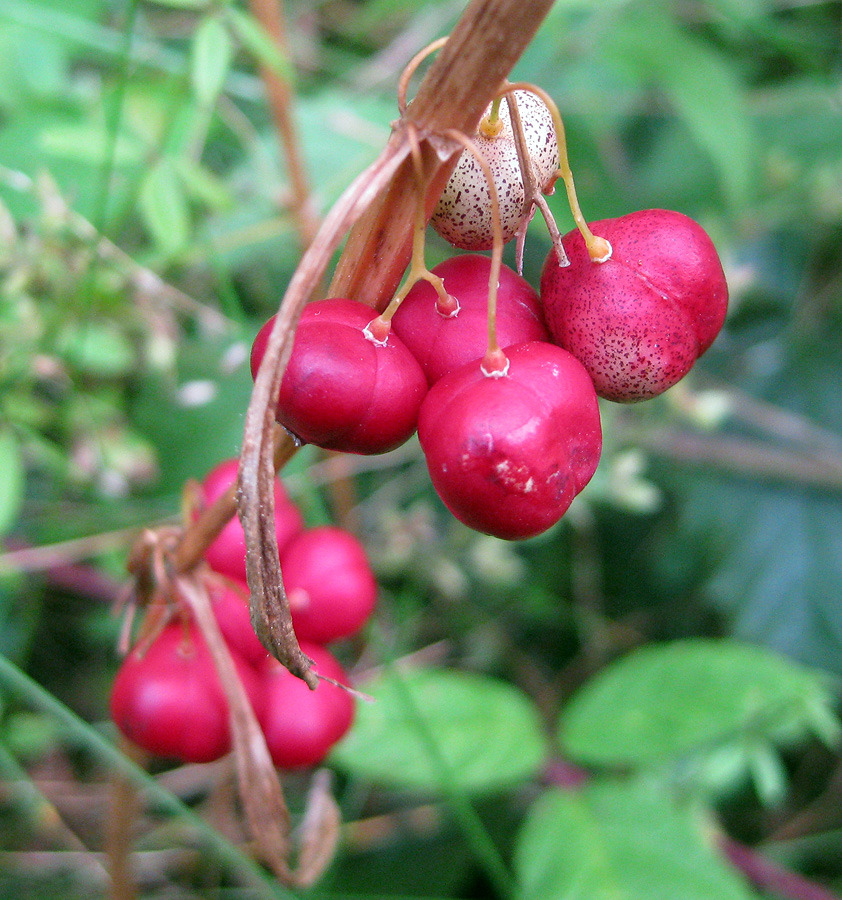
x=463 y=214
x=639 y=321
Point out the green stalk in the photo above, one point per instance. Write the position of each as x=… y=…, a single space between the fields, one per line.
x=482 y=846
x=30 y=692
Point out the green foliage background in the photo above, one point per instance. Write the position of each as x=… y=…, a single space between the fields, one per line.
x=690 y=601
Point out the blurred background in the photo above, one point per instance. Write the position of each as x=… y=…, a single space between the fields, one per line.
x=146 y=233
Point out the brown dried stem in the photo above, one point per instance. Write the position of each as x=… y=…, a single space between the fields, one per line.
x=199 y=535
x=463 y=79
x=269 y=13
x=473 y=64
x=532 y=193
x=260 y=790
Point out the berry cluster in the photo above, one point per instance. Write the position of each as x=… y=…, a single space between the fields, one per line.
x=167 y=697
x=511 y=433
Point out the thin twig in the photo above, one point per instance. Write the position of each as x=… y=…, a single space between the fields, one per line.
x=269 y=13
x=768 y=876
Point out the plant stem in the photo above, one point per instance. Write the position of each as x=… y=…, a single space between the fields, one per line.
x=768 y=876
x=269 y=14
x=467 y=73
x=483 y=847
x=30 y=692
x=199 y=535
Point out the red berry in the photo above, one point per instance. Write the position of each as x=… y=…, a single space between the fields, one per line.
x=442 y=344
x=169 y=699
x=231 y=608
x=341 y=391
x=640 y=320
x=227 y=552
x=331 y=588
x=301 y=725
x=508 y=455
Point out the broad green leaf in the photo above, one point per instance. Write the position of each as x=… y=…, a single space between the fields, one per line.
x=211 y=59
x=203 y=185
x=773 y=548
x=430 y=727
x=664 y=701
x=97 y=348
x=12 y=480
x=164 y=208
x=701 y=84
x=259 y=44
x=618 y=841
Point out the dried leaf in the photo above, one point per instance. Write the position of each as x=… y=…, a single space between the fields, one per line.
x=260 y=790
x=318 y=833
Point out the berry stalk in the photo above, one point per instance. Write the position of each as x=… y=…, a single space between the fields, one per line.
x=599 y=249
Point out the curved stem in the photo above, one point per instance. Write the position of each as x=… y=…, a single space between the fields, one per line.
x=412 y=66
x=269 y=13
x=418 y=270
x=494 y=364
x=599 y=249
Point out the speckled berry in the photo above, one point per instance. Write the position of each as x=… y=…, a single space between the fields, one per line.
x=508 y=455
x=443 y=343
x=463 y=213
x=640 y=320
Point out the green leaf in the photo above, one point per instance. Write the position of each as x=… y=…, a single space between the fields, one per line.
x=182 y=4
x=211 y=59
x=203 y=185
x=12 y=480
x=164 y=209
x=772 y=553
x=430 y=727
x=259 y=44
x=618 y=841
x=97 y=348
x=701 y=84
x=664 y=701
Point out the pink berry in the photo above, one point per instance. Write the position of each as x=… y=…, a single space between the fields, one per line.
x=341 y=390
x=640 y=320
x=169 y=699
x=227 y=552
x=508 y=455
x=300 y=725
x=231 y=608
x=331 y=588
x=441 y=343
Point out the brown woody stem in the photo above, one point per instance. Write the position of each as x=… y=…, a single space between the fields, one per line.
x=269 y=13
x=199 y=535
x=486 y=42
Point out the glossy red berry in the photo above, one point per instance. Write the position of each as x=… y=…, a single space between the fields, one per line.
x=301 y=726
x=638 y=321
x=169 y=699
x=331 y=588
x=508 y=455
x=443 y=343
x=227 y=552
x=230 y=606
x=341 y=390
